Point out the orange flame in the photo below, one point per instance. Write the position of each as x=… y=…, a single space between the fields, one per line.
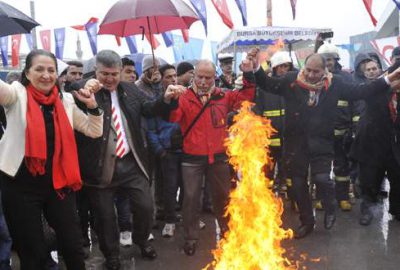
x=254 y=238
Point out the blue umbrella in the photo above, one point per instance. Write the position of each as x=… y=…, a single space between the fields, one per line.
x=13 y=21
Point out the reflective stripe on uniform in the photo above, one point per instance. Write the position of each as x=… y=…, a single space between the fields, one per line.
x=275 y=142
x=288 y=182
x=356 y=118
x=342 y=178
x=340 y=132
x=343 y=103
x=283 y=112
x=272 y=113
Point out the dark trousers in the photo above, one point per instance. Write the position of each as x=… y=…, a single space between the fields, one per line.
x=84 y=211
x=218 y=176
x=371 y=180
x=341 y=168
x=301 y=194
x=124 y=212
x=25 y=199
x=129 y=181
x=172 y=173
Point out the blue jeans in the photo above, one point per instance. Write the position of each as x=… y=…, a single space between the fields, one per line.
x=123 y=211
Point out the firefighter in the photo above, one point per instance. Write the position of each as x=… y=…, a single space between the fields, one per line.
x=273 y=107
x=341 y=163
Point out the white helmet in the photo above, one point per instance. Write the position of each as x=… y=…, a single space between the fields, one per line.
x=329 y=49
x=225 y=57
x=280 y=58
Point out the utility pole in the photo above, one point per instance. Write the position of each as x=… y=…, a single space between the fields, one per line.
x=269 y=12
x=33 y=32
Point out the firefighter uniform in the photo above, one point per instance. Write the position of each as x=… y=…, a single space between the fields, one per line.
x=343 y=124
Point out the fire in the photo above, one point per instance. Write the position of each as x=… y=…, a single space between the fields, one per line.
x=253 y=241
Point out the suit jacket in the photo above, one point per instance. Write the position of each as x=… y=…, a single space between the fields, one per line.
x=376 y=139
x=97 y=166
x=12 y=146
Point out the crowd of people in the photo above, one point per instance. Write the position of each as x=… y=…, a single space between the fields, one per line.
x=98 y=157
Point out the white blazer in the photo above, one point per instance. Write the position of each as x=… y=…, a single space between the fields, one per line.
x=12 y=145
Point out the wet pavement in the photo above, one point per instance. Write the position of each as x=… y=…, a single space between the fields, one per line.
x=348 y=246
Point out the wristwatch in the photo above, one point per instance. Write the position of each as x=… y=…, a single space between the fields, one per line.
x=96 y=111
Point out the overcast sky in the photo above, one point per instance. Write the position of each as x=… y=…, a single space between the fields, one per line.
x=345 y=17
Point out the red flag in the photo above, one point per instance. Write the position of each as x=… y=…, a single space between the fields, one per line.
x=185 y=35
x=154 y=42
x=368 y=6
x=83 y=26
x=293 y=4
x=223 y=11
x=16 y=42
x=118 y=39
x=45 y=38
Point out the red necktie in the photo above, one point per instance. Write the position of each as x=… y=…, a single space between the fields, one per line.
x=120 y=150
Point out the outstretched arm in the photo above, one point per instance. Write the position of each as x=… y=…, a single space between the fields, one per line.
x=275 y=86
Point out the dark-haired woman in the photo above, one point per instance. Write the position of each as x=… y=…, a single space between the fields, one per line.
x=38 y=157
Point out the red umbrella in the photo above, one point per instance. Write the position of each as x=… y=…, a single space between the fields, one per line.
x=129 y=17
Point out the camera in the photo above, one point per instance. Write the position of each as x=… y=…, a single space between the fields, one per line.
x=326 y=35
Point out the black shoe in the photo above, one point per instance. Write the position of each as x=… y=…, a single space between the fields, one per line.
x=189 y=248
x=148 y=252
x=329 y=220
x=366 y=219
x=303 y=231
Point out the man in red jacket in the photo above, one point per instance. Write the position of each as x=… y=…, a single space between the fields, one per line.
x=203 y=147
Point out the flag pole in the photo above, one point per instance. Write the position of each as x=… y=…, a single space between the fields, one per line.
x=151 y=42
x=33 y=31
x=269 y=12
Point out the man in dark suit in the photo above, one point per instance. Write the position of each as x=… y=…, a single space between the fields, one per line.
x=117 y=162
x=377 y=149
x=311 y=97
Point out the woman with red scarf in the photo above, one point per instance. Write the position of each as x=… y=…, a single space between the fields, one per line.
x=39 y=161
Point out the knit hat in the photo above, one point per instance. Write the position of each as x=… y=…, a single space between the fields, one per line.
x=396 y=51
x=147 y=62
x=183 y=67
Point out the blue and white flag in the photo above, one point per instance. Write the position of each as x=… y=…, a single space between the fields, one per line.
x=243 y=10
x=168 y=40
x=91 y=30
x=59 y=36
x=397 y=2
x=4 y=50
x=201 y=10
x=29 y=41
x=131 y=42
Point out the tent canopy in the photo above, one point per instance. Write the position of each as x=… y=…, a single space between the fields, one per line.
x=240 y=40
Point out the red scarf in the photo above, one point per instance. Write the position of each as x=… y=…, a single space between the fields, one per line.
x=66 y=171
x=324 y=83
x=393 y=106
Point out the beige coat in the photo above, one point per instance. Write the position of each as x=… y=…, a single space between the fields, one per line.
x=12 y=146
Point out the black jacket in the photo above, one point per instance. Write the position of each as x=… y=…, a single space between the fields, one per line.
x=376 y=140
x=359 y=77
x=273 y=107
x=344 y=108
x=134 y=105
x=309 y=131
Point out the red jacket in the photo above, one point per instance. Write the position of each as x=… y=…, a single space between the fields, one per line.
x=207 y=136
